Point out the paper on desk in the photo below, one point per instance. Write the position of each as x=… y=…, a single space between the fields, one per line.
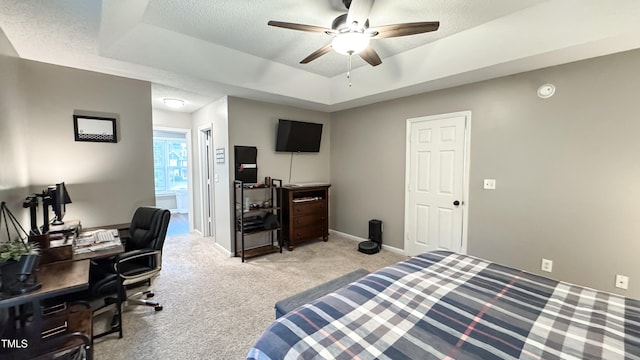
x=87 y=241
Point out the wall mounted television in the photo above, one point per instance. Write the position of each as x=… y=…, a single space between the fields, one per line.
x=298 y=136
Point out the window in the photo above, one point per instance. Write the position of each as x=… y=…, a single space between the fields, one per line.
x=170 y=164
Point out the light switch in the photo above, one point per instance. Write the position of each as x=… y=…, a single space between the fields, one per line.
x=490 y=184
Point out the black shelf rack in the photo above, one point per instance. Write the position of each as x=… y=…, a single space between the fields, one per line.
x=246 y=221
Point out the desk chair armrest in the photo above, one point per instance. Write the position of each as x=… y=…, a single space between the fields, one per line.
x=132 y=255
x=125 y=256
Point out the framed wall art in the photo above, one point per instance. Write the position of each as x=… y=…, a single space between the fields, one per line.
x=95 y=129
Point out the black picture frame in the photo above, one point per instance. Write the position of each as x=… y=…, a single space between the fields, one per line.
x=94 y=129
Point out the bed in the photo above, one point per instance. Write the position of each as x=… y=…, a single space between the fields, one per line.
x=443 y=305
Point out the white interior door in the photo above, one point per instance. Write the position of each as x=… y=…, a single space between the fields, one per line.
x=435 y=198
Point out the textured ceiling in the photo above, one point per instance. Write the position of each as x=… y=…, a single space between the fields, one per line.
x=201 y=50
x=242 y=25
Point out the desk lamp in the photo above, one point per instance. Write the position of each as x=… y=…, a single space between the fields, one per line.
x=18 y=277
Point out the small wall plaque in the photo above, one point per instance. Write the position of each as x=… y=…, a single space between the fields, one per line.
x=95 y=129
x=220 y=155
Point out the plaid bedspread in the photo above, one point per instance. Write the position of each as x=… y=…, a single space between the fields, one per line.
x=442 y=305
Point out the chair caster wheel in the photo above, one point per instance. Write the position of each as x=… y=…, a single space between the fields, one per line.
x=158 y=307
x=150 y=295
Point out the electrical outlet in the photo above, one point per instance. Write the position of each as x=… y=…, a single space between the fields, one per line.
x=547 y=265
x=622 y=282
x=489 y=184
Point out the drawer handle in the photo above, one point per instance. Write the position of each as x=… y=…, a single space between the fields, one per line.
x=54 y=309
x=56 y=330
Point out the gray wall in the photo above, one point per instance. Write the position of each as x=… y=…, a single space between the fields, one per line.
x=171 y=119
x=106 y=181
x=239 y=121
x=245 y=122
x=254 y=123
x=14 y=173
x=567 y=168
x=216 y=116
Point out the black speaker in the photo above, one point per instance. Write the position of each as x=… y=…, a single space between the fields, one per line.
x=245 y=163
x=375 y=231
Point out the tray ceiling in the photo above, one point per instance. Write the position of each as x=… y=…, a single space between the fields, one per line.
x=202 y=49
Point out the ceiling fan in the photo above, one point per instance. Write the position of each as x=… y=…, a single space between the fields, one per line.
x=352 y=33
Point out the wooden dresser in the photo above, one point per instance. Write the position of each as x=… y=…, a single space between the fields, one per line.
x=305 y=214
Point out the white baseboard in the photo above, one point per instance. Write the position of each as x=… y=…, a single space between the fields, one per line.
x=359 y=239
x=223 y=250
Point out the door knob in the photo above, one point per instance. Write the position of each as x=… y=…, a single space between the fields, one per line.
x=456 y=203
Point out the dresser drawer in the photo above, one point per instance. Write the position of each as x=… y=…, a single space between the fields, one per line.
x=308 y=232
x=311 y=207
x=54 y=320
x=308 y=220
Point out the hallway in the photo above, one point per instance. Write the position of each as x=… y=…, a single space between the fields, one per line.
x=179 y=224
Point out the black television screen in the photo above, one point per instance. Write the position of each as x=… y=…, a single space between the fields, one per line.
x=298 y=136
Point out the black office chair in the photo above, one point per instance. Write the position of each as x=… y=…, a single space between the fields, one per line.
x=141 y=262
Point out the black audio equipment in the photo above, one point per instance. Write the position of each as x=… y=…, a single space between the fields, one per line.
x=246 y=168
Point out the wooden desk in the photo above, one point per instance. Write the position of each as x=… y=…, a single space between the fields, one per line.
x=26 y=322
x=59 y=278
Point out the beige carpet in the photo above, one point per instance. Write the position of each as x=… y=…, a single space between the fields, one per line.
x=215 y=307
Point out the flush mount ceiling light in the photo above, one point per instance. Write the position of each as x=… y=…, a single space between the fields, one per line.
x=173 y=103
x=546 y=91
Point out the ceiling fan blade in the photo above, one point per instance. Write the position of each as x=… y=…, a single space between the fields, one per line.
x=371 y=56
x=395 y=30
x=301 y=27
x=316 y=54
x=359 y=13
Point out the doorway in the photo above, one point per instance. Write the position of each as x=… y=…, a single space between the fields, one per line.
x=437 y=183
x=172 y=174
x=205 y=141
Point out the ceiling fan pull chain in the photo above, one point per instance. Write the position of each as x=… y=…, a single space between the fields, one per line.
x=349 y=69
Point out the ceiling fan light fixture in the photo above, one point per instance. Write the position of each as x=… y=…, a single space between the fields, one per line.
x=350 y=43
x=173 y=103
